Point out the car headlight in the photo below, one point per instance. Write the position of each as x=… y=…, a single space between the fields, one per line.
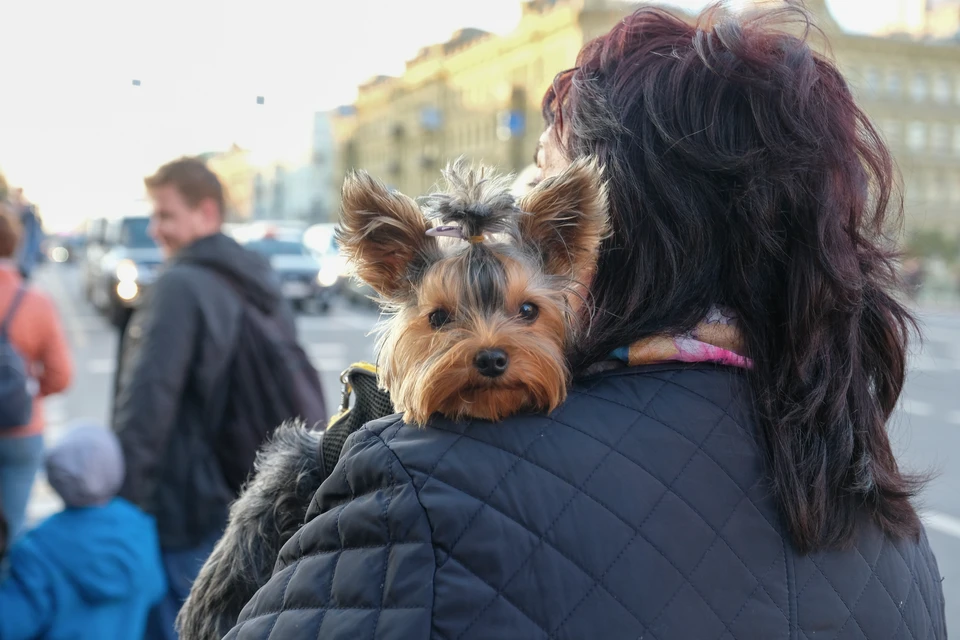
x=327 y=277
x=127 y=271
x=127 y=290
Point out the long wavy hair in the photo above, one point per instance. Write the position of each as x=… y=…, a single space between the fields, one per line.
x=743 y=173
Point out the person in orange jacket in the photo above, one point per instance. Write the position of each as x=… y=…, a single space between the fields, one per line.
x=34 y=330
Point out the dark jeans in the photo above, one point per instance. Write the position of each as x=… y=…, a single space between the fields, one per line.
x=20 y=459
x=181 y=567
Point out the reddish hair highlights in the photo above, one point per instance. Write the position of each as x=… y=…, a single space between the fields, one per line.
x=743 y=173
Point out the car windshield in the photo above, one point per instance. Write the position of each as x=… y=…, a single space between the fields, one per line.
x=134 y=234
x=270 y=247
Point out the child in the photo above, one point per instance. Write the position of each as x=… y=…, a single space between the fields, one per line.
x=93 y=570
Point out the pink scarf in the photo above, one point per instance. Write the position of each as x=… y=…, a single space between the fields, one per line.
x=716 y=339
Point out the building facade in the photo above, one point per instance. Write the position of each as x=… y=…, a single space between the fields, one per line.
x=295 y=184
x=478 y=95
x=236 y=173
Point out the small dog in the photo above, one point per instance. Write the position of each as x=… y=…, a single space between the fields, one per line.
x=482 y=304
x=482 y=308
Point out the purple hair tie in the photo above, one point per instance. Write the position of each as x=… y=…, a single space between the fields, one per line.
x=453 y=231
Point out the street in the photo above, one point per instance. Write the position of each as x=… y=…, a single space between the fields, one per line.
x=925 y=430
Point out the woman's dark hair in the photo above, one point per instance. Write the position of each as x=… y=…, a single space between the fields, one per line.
x=742 y=173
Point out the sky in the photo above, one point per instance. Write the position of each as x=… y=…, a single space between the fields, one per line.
x=78 y=136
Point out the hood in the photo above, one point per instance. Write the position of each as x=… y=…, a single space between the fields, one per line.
x=250 y=271
x=107 y=556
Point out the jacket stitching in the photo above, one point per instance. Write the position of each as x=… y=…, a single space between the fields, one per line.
x=749 y=597
x=598 y=581
x=850 y=609
x=687 y=579
x=541 y=539
x=913 y=576
x=389 y=546
x=668 y=490
x=483 y=501
x=283 y=598
x=688 y=439
x=917 y=584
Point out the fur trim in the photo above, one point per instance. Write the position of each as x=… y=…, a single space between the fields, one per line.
x=270 y=509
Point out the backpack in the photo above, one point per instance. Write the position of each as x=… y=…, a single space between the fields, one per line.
x=16 y=397
x=270 y=381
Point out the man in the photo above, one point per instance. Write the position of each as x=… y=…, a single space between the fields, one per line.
x=174 y=384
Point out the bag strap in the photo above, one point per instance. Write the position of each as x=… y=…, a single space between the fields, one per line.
x=341 y=426
x=14 y=305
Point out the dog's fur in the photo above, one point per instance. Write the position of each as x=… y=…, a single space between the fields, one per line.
x=269 y=511
x=511 y=285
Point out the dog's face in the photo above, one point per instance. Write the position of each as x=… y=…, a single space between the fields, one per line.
x=478 y=323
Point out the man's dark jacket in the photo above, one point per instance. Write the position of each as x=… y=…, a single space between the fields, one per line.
x=173 y=383
x=638 y=509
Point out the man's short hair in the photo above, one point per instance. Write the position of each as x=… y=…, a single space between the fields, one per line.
x=192 y=179
x=10 y=230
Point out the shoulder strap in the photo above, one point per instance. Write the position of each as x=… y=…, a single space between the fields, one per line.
x=370 y=403
x=14 y=305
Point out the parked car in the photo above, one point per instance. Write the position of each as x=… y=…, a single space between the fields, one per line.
x=130 y=264
x=304 y=280
x=91 y=254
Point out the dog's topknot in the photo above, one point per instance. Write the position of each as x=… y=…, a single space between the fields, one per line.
x=476 y=198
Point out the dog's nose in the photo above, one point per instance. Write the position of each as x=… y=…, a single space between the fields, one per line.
x=491 y=362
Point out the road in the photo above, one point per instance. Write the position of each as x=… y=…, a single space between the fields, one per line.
x=925 y=430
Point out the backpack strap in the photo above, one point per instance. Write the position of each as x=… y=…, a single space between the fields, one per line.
x=359 y=380
x=14 y=305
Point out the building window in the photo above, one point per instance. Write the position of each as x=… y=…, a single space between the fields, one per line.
x=894 y=84
x=892 y=131
x=872 y=80
x=941 y=88
x=919 y=87
x=917 y=135
x=936 y=187
x=940 y=137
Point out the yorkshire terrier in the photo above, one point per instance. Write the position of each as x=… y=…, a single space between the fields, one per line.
x=483 y=293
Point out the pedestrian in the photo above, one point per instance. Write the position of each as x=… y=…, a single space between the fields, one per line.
x=31 y=324
x=31 y=239
x=93 y=570
x=197 y=370
x=721 y=466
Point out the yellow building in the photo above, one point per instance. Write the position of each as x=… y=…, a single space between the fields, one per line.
x=237 y=176
x=478 y=95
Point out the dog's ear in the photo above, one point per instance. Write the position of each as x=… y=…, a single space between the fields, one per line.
x=566 y=218
x=383 y=233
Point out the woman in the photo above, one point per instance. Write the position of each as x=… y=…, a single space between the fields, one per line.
x=721 y=469
x=34 y=331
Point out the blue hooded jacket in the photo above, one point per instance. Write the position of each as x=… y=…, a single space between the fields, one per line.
x=84 y=573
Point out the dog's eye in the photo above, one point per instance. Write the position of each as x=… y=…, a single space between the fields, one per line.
x=439 y=318
x=529 y=311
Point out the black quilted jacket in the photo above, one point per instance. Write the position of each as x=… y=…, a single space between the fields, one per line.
x=636 y=510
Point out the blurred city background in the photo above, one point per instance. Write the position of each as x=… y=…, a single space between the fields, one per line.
x=284 y=98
